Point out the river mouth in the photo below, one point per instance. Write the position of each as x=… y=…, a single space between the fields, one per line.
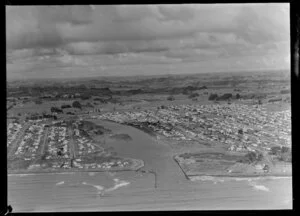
x=82 y=191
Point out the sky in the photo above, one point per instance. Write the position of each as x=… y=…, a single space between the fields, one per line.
x=103 y=40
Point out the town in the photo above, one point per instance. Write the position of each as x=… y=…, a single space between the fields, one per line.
x=242 y=127
x=52 y=127
x=39 y=145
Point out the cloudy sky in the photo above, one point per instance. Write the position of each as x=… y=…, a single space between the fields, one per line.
x=81 y=41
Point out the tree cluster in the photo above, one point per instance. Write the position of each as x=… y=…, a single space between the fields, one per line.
x=171 y=98
x=225 y=96
x=213 y=97
x=193 y=95
x=252 y=157
x=286 y=91
x=65 y=106
x=275 y=100
x=283 y=153
x=38 y=102
x=76 y=104
x=56 y=110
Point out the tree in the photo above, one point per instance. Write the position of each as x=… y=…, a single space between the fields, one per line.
x=55 y=109
x=193 y=95
x=225 y=96
x=252 y=157
x=171 y=98
x=89 y=105
x=213 y=96
x=285 y=149
x=76 y=104
x=259 y=156
x=38 y=102
x=240 y=131
x=65 y=106
x=286 y=157
x=285 y=91
x=85 y=97
x=275 y=150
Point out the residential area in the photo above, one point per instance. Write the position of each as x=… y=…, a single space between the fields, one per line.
x=57 y=145
x=241 y=127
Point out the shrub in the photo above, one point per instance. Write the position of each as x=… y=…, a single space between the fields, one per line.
x=185 y=91
x=225 y=96
x=212 y=97
x=285 y=149
x=286 y=157
x=275 y=100
x=285 y=91
x=76 y=104
x=252 y=157
x=65 y=106
x=193 y=95
x=282 y=153
x=55 y=109
x=89 y=105
x=171 y=98
x=85 y=97
x=238 y=96
x=275 y=150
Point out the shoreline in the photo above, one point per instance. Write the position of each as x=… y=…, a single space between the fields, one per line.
x=237 y=178
x=137 y=164
x=241 y=176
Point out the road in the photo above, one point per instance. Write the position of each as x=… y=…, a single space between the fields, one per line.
x=71 y=144
x=43 y=143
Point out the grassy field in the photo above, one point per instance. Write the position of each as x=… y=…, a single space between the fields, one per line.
x=226 y=164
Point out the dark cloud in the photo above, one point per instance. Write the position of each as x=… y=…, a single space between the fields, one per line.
x=193 y=54
x=262 y=24
x=132 y=13
x=55 y=26
x=173 y=12
x=75 y=15
x=61 y=36
x=40 y=26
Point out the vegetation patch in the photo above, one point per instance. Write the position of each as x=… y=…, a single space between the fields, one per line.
x=124 y=137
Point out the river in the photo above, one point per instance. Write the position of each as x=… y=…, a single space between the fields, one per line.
x=78 y=191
